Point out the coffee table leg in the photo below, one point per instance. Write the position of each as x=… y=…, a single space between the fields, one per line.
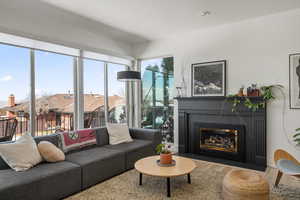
x=168 y=188
x=141 y=178
x=189 y=178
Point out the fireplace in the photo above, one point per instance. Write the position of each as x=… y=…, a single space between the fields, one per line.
x=208 y=129
x=220 y=140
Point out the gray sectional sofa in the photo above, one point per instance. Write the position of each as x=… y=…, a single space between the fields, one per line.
x=80 y=170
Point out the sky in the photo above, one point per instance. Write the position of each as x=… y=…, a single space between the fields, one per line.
x=54 y=74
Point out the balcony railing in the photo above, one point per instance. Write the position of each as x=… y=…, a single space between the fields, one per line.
x=48 y=123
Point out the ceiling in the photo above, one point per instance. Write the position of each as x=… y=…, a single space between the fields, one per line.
x=155 y=19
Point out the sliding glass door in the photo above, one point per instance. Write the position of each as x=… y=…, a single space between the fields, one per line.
x=157 y=94
x=54 y=92
x=14 y=91
x=94 y=95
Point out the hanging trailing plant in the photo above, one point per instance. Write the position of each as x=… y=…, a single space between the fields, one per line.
x=297 y=136
x=235 y=102
x=254 y=106
x=266 y=94
x=267 y=91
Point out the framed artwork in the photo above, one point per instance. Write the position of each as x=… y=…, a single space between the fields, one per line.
x=294 y=81
x=209 y=78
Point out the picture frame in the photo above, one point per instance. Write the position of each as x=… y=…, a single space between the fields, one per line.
x=209 y=79
x=294 y=80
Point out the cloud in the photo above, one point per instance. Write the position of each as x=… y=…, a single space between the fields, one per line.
x=6 y=78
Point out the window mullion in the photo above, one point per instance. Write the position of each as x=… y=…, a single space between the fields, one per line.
x=75 y=89
x=80 y=93
x=137 y=97
x=106 y=92
x=32 y=93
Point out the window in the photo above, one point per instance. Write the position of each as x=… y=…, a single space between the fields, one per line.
x=116 y=95
x=14 y=87
x=58 y=74
x=54 y=92
x=157 y=93
x=94 y=98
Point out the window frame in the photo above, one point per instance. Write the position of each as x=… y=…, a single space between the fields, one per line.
x=78 y=74
x=138 y=89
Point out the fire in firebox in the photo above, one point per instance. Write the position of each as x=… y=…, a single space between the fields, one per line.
x=219 y=139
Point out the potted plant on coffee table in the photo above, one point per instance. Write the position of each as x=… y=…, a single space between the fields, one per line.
x=164 y=150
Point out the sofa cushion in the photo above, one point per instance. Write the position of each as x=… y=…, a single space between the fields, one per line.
x=134 y=150
x=130 y=146
x=118 y=133
x=45 y=181
x=21 y=154
x=3 y=164
x=53 y=138
x=102 y=136
x=98 y=164
x=50 y=152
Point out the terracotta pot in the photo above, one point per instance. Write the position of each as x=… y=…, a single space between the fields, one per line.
x=165 y=158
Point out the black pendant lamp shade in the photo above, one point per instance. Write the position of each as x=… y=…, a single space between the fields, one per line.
x=129 y=76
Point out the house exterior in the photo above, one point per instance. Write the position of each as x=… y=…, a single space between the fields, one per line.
x=55 y=112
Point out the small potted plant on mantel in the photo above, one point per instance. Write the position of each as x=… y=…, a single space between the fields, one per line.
x=164 y=150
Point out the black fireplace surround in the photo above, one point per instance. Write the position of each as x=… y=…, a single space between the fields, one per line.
x=209 y=130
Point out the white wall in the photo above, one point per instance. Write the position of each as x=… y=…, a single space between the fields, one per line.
x=257 y=51
x=38 y=20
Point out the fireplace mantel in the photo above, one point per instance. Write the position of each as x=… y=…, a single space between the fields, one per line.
x=193 y=110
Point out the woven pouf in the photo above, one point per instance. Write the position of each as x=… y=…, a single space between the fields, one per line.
x=245 y=185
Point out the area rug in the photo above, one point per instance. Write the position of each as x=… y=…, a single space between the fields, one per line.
x=206 y=185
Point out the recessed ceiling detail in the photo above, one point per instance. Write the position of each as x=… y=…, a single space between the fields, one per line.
x=205 y=13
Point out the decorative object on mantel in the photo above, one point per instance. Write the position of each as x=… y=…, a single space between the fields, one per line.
x=253 y=91
x=265 y=92
x=297 y=136
x=179 y=91
x=241 y=91
x=294 y=81
x=183 y=87
x=209 y=78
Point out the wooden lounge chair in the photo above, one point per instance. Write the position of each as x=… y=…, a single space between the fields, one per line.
x=286 y=164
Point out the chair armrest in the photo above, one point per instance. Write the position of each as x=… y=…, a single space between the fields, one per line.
x=147 y=134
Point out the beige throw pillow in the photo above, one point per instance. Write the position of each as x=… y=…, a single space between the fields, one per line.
x=118 y=133
x=22 y=154
x=50 y=152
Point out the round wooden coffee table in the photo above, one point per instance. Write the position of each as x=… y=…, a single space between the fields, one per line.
x=148 y=166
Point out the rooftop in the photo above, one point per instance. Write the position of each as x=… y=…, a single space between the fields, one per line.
x=64 y=103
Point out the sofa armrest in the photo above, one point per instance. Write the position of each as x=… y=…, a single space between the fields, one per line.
x=147 y=134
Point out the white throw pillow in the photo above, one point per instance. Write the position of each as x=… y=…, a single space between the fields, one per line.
x=22 y=154
x=118 y=133
x=50 y=152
